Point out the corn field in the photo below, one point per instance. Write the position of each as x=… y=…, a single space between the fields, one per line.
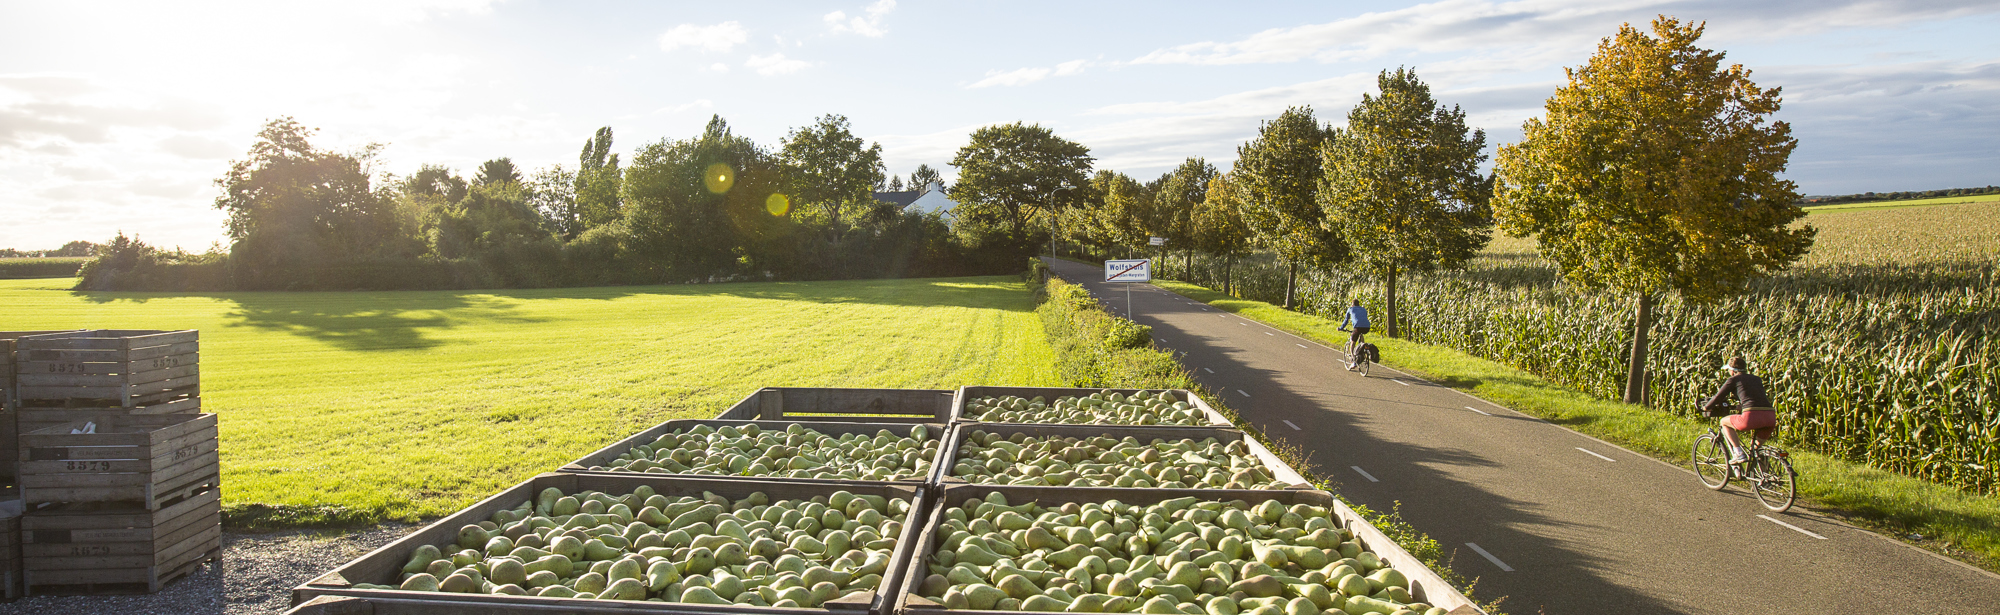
x=1878 y=351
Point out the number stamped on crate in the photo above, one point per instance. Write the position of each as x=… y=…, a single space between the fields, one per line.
x=87 y=466
x=65 y=368
x=164 y=362
x=89 y=550
x=187 y=451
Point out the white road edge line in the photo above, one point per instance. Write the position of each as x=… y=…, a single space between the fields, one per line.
x=1594 y=454
x=1270 y=334
x=1489 y=557
x=1240 y=392
x=1294 y=427
x=1300 y=345
x=1364 y=474
x=1474 y=410
x=1399 y=381
x=1208 y=370
x=1794 y=527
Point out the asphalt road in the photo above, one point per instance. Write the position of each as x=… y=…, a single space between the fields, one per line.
x=1563 y=523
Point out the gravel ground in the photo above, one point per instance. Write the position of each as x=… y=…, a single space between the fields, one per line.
x=255 y=577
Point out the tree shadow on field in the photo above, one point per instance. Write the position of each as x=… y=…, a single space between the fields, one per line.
x=389 y=320
x=1004 y=293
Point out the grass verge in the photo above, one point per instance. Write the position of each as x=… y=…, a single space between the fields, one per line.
x=1938 y=518
x=346 y=408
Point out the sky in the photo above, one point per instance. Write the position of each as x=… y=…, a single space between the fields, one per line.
x=119 y=116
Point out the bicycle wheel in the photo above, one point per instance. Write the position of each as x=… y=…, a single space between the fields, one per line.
x=1774 y=478
x=1363 y=367
x=1711 y=461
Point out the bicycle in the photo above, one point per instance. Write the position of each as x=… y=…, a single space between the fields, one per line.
x=1362 y=356
x=1766 y=468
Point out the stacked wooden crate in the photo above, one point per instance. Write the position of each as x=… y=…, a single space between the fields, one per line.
x=9 y=409
x=88 y=375
x=126 y=508
x=10 y=549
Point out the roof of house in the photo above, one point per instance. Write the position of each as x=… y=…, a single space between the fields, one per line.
x=901 y=199
x=931 y=198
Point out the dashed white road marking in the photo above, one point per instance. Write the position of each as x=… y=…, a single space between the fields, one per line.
x=1794 y=527
x=1240 y=392
x=1299 y=345
x=1364 y=474
x=1208 y=370
x=1294 y=427
x=1399 y=381
x=1476 y=410
x=1270 y=334
x=1489 y=557
x=1594 y=454
x=1244 y=324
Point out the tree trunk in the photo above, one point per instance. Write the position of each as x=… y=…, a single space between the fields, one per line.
x=1392 y=303
x=1635 y=377
x=1291 y=280
x=1229 y=276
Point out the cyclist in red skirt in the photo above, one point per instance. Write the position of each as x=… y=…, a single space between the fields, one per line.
x=1757 y=413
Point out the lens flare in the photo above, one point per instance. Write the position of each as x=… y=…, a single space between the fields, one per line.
x=778 y=204
x=719 y=178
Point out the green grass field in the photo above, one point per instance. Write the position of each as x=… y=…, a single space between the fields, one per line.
x=414 y=404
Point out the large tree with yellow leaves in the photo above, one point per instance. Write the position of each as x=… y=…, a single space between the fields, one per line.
x=1655 y=170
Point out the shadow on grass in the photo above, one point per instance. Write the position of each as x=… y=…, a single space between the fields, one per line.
x=404 y=320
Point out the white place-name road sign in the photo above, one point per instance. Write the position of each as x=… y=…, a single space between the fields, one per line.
x=1134 y=270
x=1156 y=241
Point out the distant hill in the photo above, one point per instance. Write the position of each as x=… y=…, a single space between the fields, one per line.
x=1868 y=197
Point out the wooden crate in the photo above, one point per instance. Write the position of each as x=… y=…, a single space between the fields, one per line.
x=594 y=463
x=98 y=548
x=1425 y=585
x=966 y=394
x=149 y=460
x=948 y=456
x=33 y=418
x=385 y=565
x=10 y=451
x=123 y=368
x=859 y=405
x=10 y=550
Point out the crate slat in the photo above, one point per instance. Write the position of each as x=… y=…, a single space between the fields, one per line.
x=179 y=370
x=151 y=460
x=98 y=548
x=827 y=404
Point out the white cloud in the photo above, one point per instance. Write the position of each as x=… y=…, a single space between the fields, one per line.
x=774 y=64
x=1024 y=76
x=870 y=26
x=1455 y=25
x=718 y=37
x=719 y=67
x=1019 y=76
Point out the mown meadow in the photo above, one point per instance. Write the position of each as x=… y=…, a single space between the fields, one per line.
x=352 y=407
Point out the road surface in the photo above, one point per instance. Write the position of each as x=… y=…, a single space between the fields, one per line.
x=1563 y=523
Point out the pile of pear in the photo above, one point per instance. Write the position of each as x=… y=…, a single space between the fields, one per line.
x=1100 y=408
x=987 y=458
x=647 y=546
x=796 y=452
x=1186 y=555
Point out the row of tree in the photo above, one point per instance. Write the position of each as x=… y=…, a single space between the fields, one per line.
x=1654 y=170
x=712 y=207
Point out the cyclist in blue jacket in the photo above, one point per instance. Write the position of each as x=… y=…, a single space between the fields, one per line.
x=1358 y=317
